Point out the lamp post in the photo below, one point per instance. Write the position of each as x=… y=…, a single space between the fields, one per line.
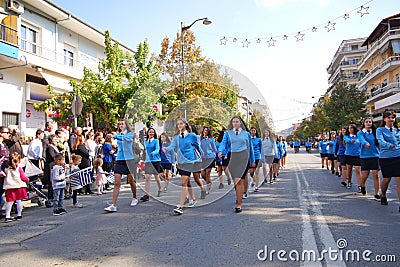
x=206 y=21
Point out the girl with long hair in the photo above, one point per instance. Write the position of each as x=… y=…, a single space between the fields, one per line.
x=341 y=148
x=185 y=143
x=241 y=157
x=352 y=155
x=258 y=156
x=269 y=148
x=323 y=150
x=388 y=136
x=222 y=163
x=152 y=163
x=207 y=144
x=167 y=159
x=331 y=151
x=124 y=164
x=369 y=155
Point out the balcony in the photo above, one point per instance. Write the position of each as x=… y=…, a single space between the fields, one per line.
x=387 y=65
x=8 y=41
x=380 y=93
x=57 y=57
x=378 y=44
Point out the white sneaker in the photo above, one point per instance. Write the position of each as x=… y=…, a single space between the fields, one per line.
x=77 y=205
x=111 y=208
x=192 y=203
x=134 y=202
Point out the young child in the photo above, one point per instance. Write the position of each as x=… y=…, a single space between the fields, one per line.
x=58 y=181
x=15 y=186
x=101 y=180
x=74 y=180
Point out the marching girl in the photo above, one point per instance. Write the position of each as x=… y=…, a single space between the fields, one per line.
x=15 y=186
x=207 y=144
x=284 y=147
x=323 y=147
x=388 y=137
x=331 y=151
x=167 y=159
x=352 y=156
x=184 y=142
x=222 y=163
x=241 y=157
x=277 y=158
x=258 y=156
x=152 y=163
x=340 y=149
x=369 y=155
x=269 y=148
x=197 y=167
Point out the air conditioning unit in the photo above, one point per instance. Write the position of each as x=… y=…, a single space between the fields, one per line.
x=15 y=6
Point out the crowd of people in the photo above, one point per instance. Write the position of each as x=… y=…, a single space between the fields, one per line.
x=367 y=150
x=61 y=154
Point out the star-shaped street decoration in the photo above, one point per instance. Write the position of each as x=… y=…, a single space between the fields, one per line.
x=246 y=43
x=314 y=29
x=346 y=16
x=223 y=40
x=235 y=40
x=258 y=40
x=330 y=26
x=285 y=37
x=271 y=42
x=299 y=36
x=363 y=10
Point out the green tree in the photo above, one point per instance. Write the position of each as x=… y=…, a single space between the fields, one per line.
x=108 y=93
x=346 y=105
x=203 y=79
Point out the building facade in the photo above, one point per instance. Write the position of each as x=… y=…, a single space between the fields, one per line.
x=344 y=65
x=41 y=44
x=381 y=63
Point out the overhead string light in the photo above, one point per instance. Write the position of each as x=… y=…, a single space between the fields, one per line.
x=298 y=35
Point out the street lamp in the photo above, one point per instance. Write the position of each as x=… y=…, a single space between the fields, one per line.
x=206 y=21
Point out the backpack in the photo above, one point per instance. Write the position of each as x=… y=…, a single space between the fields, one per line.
x=99 y=153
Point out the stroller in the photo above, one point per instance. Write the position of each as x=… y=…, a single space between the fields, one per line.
x=34 y=189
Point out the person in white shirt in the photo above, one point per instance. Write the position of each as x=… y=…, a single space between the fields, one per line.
x=91 y=145
x=35 y=149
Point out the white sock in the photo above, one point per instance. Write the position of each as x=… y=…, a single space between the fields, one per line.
x=8 y=209
x=20 y=206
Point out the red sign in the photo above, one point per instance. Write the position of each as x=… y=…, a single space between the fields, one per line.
x=28 y=113
x=155 y=107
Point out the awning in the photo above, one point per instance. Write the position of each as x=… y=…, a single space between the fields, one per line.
x=56 y=82
x=388 y=101
x=396 y=47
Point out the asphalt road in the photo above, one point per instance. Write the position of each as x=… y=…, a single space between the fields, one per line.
x=305 y=212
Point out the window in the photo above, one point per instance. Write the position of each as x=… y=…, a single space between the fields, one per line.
x=354 y=47
x=10 y=119
x=69 y=55
x=29 y=39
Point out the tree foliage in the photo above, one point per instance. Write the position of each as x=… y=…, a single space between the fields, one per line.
x=203 y=79
x=346 y=105
x=109 y=92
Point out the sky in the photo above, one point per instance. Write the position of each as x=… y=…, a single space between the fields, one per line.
x=290 y=75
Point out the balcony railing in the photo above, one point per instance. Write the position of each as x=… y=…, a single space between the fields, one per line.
x=58 y=57
x=373 y=47
x=391 y=87
x=378 y=68
x=8 y=35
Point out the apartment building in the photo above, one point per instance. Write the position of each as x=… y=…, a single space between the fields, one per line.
x=344 y=65
x=41 y=44
x=381 y=63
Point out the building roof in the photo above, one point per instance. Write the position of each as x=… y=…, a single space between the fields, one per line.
x=69 y=21
x=383 y=27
